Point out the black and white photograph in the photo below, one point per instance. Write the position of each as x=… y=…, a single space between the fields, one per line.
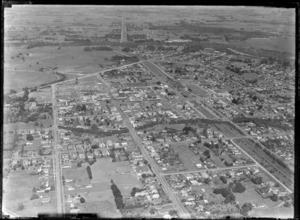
x=149 y=111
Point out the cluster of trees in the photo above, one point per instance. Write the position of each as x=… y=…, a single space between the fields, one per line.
x=29 y=137
x=102 y=48
x=151 y=47
x=192 y=48
x=226 y=193
x=135 y=190
x=80 y=107
x=246 y=208
x=118 y=196
x=129 y=59
x=79 y=131
x=40 y=44
x=271 y=60
x=234 y=69
x=257 y=180
x=238 y=188
x=126 y=49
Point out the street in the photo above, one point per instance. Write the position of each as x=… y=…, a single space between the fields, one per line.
x=56 y=159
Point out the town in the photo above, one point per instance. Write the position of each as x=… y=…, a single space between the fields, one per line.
x=163 y=130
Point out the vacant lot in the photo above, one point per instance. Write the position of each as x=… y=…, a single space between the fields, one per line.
x=188 y=158
x=250 y=195
x=44 y=95
x=197 y=90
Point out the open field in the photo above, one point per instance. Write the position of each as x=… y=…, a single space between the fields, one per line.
x=20 y=182
x=19 y=126
x=279 y=213
x=33 y=207
x=18 y=80
x=71 y=61
x=104 y=208
x=280 y=172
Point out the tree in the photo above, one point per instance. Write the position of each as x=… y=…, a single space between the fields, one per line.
x=94 y=127
x=20 y=206
x=217 y=191
x=29 y=137
x=34 y=196
x=238 y=188
x=224 y=192
x=34 y=190
x=88 y=168
x=12 y=91
x=257 y=180
x=223 y=179
x=207 y=180
x=229 y=198
x=95 y=146
x=246 y=208
x=133 y=191
x=206 y=153
x=274 y=197
x=152 y=211
x=82 y=200
x=173 y=212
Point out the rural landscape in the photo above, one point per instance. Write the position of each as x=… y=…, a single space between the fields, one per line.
x=149 y=112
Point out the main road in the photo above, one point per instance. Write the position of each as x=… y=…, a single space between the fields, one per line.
x=182 y=212
x=56 y=158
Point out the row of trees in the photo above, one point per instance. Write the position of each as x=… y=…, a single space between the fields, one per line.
x=79 y=131
x=89 y=171
x=118 y=196
x=102 y=48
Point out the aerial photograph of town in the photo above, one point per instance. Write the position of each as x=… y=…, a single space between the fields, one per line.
x=148 y=111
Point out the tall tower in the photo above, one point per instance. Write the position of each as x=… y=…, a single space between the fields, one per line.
x=123 y=31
